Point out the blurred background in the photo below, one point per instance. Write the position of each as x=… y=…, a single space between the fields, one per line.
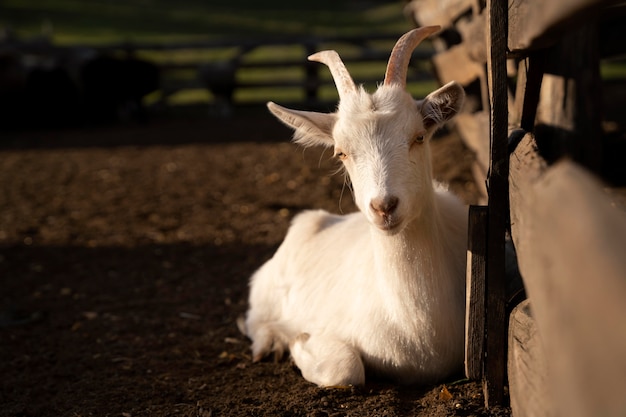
x=103 y=60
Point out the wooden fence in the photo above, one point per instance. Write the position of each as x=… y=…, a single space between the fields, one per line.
x=364 y=50
x=541 y=123
x=216 y=65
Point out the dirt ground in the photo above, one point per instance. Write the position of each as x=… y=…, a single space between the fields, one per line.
x=125 y=253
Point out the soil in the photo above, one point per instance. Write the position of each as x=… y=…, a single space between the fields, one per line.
x=125 y=253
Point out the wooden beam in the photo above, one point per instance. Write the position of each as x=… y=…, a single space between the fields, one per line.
x=535 y=24
x=473 y=34
x=495 y=362
x=526 y=166
x=475 y=292
x=474 y=131
x=526 y=358
x=529 y=387
x=455 y=64
x=438 y=12
x=570 y=241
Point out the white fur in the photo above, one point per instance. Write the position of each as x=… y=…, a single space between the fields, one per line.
x=382 y=289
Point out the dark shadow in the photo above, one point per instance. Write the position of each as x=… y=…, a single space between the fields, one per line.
x=109 y=275
x=555 y=143
x=106 y=329
x=252 y=124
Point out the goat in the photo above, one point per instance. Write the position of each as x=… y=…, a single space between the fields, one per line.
x=381 y=289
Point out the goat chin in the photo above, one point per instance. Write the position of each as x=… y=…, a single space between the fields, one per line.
x=390 y=229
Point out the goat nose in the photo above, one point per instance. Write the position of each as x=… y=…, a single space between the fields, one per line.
x=384 y=206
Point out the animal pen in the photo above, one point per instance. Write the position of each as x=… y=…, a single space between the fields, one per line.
x=544 y=126
x=541 y=128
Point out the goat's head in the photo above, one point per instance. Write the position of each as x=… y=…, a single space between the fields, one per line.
x=381 y=138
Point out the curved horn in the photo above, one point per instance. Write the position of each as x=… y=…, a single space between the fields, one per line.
x=401 y=54
x=343 y=80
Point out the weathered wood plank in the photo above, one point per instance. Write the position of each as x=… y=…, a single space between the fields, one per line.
x=473 y=34
x=535 y=24
x=475 y=292
x=526 y=359
x=570 y=242
x=495 y=345
x=526 y=166
x=438 y=12
x=529 y=389
x=474 y=131
x=455 y=64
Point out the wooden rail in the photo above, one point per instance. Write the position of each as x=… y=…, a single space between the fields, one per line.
x=495 y=284
x=221 y=76
x=310 y=82
x=568 y=341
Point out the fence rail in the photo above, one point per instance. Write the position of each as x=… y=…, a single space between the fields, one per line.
x=221 y=76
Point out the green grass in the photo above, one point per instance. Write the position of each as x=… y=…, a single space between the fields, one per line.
x=103 y=21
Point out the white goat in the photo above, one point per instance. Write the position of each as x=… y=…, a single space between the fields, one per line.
x=382 y=289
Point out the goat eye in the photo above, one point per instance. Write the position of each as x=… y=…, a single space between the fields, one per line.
x=340 y=155
x=418 y=139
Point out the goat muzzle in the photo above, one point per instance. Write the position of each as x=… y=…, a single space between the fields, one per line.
x=384 y=207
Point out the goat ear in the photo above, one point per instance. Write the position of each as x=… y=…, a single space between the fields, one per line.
x=442 y=105
x=311 y=128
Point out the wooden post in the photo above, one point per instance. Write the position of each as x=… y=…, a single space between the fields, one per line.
x=475 y=292
x=495 y=344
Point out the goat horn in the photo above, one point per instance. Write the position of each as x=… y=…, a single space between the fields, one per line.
x=343 y=80
x=401 y=54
